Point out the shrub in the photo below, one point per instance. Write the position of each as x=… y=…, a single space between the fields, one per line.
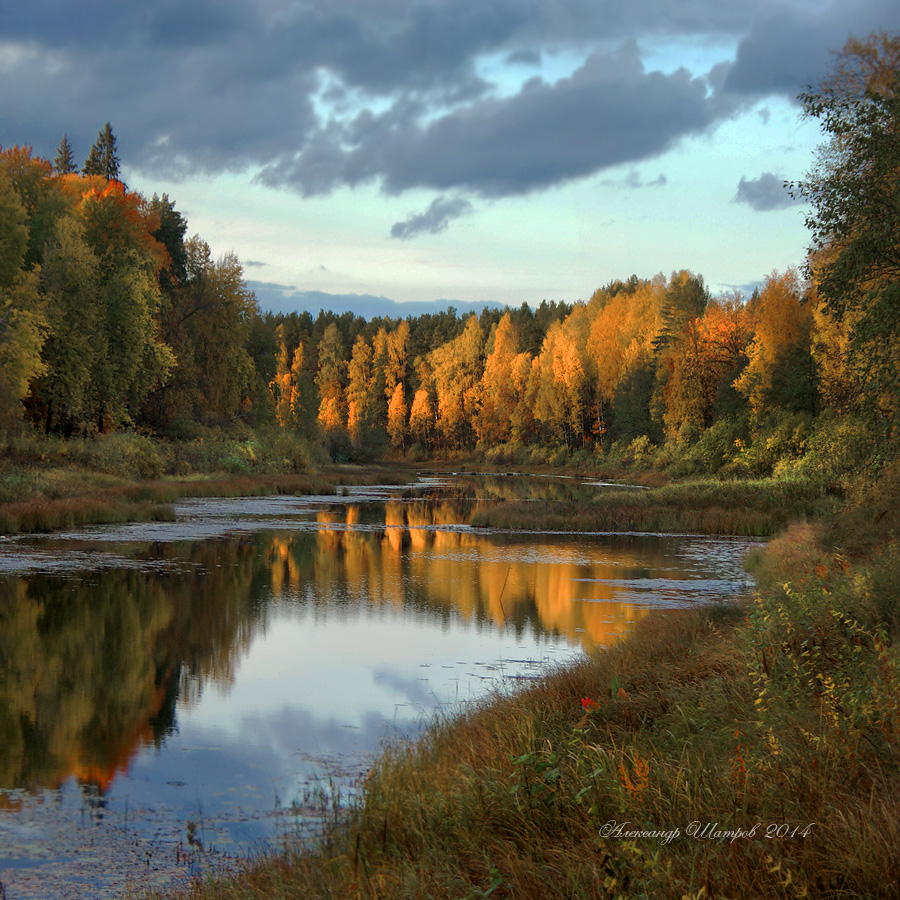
x=838 y=446
x=782 y=442
x=126 y=455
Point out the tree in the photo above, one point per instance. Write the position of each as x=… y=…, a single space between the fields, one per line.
x=779 y=372
x=117 y=227
x=359 y=372
x=499 y=395
x=397 y=417
x=41 y=197
x=456 y=372
x=77 y=345
x=103 y=159
x=421 y=418
x=854 y=191
x=22 y=324
x=64 y=164
x=218 y=312
x=170 y=233
x=330 y=380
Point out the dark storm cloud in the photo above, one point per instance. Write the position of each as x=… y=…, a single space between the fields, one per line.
x=317 y=95
x=608 y=112
x=434 y=220
x=789 y=47
x=764 y=193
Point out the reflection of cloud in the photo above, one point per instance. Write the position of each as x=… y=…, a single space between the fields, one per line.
x=414 y=688
x=291 y=730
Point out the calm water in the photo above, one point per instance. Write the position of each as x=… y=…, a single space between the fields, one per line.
x=171 y=694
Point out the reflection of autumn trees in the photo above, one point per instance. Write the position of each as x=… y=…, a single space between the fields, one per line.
x=92 y=666
x=418 y=560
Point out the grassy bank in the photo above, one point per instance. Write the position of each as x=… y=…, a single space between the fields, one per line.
x=741 y=751
x=51 y=483
x=706 y=506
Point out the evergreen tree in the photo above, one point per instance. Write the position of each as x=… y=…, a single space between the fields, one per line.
x=103 y=159
x=64 y=164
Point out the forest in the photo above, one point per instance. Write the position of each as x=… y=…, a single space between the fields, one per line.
x=113 y=319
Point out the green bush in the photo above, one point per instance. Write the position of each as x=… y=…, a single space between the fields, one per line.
x=782 y=443
x=125 y=454
x=838 y=446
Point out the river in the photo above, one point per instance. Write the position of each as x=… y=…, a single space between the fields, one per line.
x=176 y=694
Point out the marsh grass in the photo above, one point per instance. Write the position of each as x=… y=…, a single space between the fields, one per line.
x=65 y=498
x=756 y=508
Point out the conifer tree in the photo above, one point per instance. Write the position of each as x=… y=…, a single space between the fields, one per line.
x=64 y=164
x=103 y=159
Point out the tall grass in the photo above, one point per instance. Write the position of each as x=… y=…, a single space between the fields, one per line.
x=67 y=499
x=757 y=508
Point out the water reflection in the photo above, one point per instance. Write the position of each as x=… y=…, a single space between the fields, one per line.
x=226 y=674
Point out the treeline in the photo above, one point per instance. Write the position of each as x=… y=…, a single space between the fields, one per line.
x=111 y=317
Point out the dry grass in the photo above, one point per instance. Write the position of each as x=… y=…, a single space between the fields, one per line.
x=757 y=508
x=69 y=498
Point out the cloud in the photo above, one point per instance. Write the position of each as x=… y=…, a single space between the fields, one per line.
x=317 y=95
x=764 y=193
x=789 y=46
x=434 y=220
x=610 y=111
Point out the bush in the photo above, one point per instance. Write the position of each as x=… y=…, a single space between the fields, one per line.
x=716 y=446
x=839 y=446
x=125 y=454
x=289 y=451
x=782 y=442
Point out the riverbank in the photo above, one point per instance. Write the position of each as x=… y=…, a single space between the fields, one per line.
x=747 y=750
x=48 y=484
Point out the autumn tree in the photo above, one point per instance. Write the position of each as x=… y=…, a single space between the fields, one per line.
x=330 y=380
x=359 y=386
x=563 y=401
x=456 y=372
x=421 y=418
x=40 y=194
x=625 y=317
x=282 y=386
x=118 y=228
x=676 y=346
x=779 y=374
x=854 y=191
x=22 y=323
x=500 y=392
x=77 y=345
x=397 y=425
x=222 y=306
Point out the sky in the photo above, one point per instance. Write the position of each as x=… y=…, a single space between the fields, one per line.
x=461 y=151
